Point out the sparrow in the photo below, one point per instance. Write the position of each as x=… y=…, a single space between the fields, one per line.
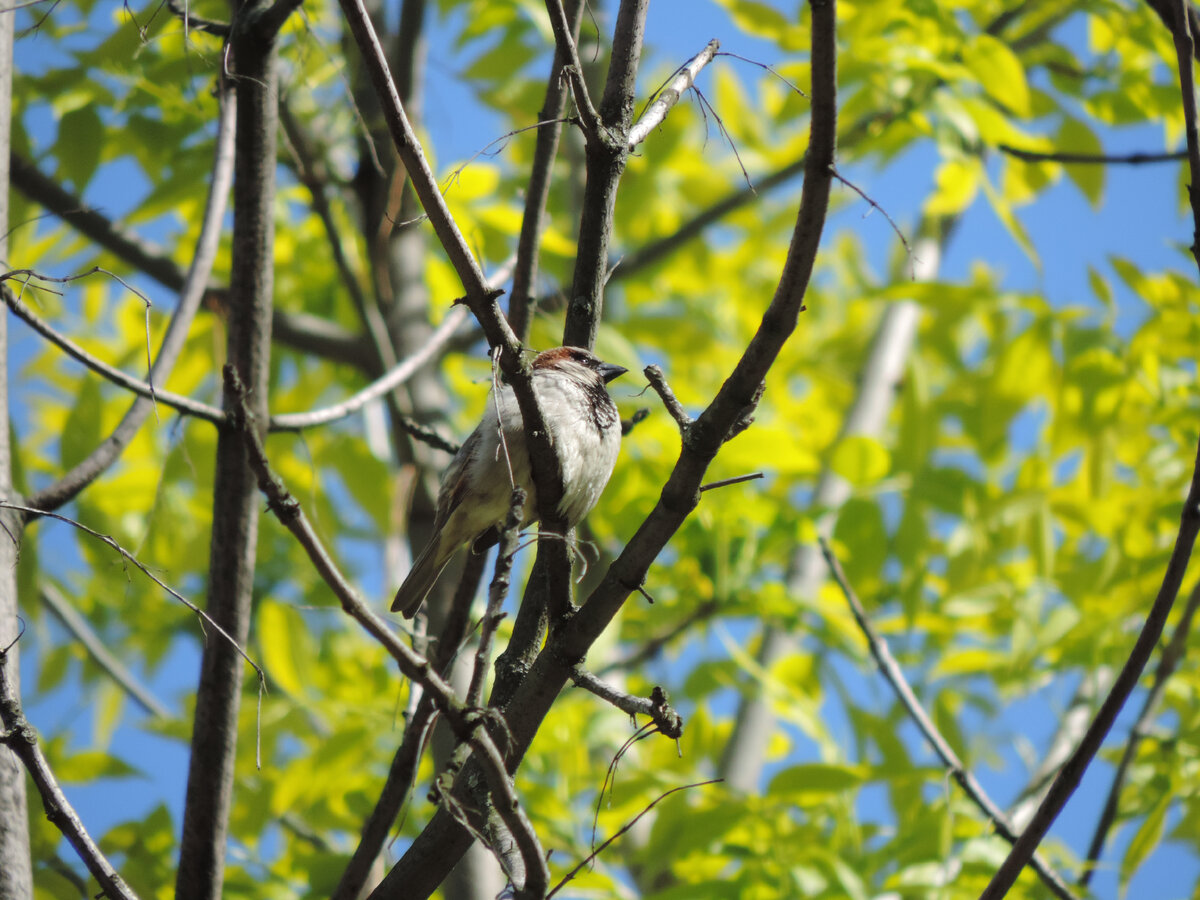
x=569 y=383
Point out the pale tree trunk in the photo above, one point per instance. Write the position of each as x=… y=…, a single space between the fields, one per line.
x=742 y=762
x=16 y=876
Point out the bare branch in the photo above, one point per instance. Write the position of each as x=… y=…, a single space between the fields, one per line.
x=537 y=190
x=83 y=632
x=190 y=295
x=895 y=228
x=18 y=735
x=1092 y=159
x=565 y=33
x=378 y=388
x=480 y=296
x=891 y=671
x=669 y=96
x=116 y=376
x=496 y=594
x=1072 y=771
x=1172 y=654
x=625 y=828
x=657 y=707
x=606 y=159
x=205 y=619
x=726 y=482
x=658 y=381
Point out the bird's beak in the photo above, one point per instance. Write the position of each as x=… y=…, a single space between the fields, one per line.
x=608 y=371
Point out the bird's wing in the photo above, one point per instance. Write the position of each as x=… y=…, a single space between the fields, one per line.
x=454 y=482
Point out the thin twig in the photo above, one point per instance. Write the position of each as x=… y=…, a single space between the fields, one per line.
x=537 y=188
x=496 y=593
x=116 y=376
x=657 y=707
x=726 y=482
x=564 y=40
x=658 y=382
x=625 y=828
x=657 y=111
x=896 y=228
x=1091 y=159
x=791 y=86
x=891 y=671
x=79 y=628
x=205 y=619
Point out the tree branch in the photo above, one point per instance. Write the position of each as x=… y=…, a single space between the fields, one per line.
x=79 y=628
x=300 y=331
x=21 y=739
x=190 y=295
x=444 y=840
x=606 y=157
x=1172 y=654
x=669 y=96
x=116 y=376
x=657 y=707
x=235 y=511
x=468 y=725
x=658 y=381
x=480 y=296
x=537 y=191
x=891 y=671
x=379 y=387
x=566 y=32
x=1072 y=771
x=1094 y=159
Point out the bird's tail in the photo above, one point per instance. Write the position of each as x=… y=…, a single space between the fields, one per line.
x=421 y=578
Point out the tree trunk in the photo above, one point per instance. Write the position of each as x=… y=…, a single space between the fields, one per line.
x=235 y=493
x=16 y=876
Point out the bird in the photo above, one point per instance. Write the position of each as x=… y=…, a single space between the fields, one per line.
x=476 y=490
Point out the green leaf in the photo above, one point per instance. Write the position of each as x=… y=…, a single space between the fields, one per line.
x=1145 y=840
x=957 y=183
x=1076 y=137
x=999 y=72
x=90 y=765
x=818 y=779
x=81 y=137
x=861 y=460
x=82 y=432
x=287 y=647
